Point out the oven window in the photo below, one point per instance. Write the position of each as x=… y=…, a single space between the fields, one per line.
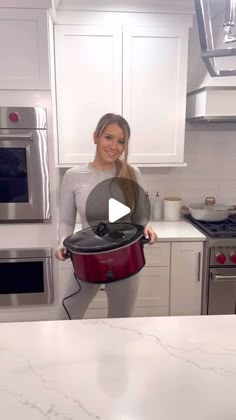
x=21 y=277
x=13 y=175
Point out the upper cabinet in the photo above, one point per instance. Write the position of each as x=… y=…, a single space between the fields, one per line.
x=24 y=49
x=88 y=84
x=154 y=92
x=138 y=71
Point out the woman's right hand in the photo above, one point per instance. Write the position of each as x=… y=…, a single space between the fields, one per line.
x=60 y=254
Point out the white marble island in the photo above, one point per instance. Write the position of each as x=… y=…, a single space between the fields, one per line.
x=119 y=369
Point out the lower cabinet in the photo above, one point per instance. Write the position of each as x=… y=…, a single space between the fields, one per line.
x=186 y=278
x=153 y=294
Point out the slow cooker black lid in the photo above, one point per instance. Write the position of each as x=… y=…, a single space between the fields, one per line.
x=103 y=237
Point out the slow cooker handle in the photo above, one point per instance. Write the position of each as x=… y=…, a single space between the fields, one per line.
x=144 y=240
x=66 y=254
x=101 y=229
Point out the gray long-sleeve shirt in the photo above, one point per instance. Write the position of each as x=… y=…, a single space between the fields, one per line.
x=76 y=186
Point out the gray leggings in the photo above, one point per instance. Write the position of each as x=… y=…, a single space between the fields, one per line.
x=121 y=296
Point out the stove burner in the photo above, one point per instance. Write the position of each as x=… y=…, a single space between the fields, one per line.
x=224 y=229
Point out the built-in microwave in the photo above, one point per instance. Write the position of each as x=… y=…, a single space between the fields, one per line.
x=24 y=173
x=26 y=276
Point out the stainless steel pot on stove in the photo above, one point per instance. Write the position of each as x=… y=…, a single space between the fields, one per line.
x=209 y=211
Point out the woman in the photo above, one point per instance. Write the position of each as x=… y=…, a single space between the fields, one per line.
x=111 y=138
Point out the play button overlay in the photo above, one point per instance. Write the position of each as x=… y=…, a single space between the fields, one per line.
x=116 y=210
x=117 y=200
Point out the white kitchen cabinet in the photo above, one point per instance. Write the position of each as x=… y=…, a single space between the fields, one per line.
x=24 y=49
x=186 y=278
x=137 y=71
x=154 y=287
x=153 y=293
x=154 y=92
x=88 y=84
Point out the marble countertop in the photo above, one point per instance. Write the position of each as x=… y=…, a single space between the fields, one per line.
x=119 y=369
x=172 y=231
x=177 y=231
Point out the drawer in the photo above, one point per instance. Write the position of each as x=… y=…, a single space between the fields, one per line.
x=158 y=254
x=154 y=287
x=95 y=313
x=152 y=311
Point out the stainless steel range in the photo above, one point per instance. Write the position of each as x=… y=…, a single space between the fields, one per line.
x=219 y=266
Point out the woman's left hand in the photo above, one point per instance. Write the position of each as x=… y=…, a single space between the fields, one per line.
x=149 y=233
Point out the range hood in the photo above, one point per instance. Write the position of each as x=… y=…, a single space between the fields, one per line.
x=208 y=51
x=212 y=104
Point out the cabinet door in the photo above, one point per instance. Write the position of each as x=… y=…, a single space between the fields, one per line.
x=186 y=278
x=158 y=255
x=153 y=287
x=24 y=49
x=88 y=79
x=154 y=95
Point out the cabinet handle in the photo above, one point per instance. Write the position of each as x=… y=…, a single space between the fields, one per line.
x=199 y=267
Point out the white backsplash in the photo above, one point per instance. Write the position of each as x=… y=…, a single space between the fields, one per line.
x=210 y=154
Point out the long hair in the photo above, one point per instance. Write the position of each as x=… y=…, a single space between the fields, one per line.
x=123 y=169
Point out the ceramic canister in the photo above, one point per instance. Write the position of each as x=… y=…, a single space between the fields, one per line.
x=172 y=208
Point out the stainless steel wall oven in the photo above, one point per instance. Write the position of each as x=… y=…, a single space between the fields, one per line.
x=24 y=174
x=26 y=277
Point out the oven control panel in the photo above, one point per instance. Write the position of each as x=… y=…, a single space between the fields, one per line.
x=222 y=256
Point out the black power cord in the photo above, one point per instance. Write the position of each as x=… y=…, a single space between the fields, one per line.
x=69 y=296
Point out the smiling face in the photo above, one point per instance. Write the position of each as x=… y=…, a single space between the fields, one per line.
x=110 y=145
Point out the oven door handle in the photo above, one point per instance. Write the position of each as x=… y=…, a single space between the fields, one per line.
x=218 y=278
x=17 y=136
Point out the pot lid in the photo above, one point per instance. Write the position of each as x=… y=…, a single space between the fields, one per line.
x=209 y=207
x=103 y=237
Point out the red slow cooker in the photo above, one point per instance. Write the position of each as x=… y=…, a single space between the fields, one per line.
x=107 y=252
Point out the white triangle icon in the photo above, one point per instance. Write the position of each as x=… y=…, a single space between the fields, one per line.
x=116 y=210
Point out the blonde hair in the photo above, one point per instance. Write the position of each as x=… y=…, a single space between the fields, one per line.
x=123 y=169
